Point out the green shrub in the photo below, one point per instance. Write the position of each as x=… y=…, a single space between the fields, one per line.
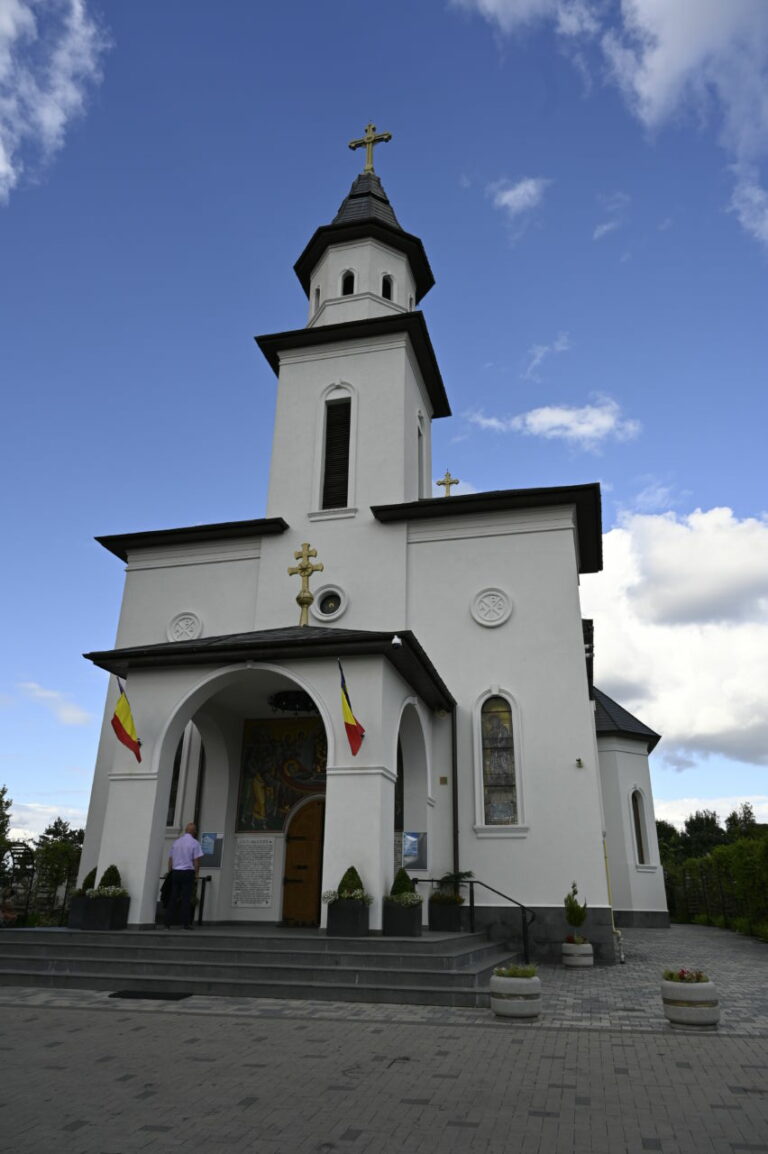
x=402 y=884
x=111 y=877
x=350 y=883
x=688 y=976
x=446 y=898
x=515 y=972
x=575 y=912
x=701 y=920
x=89 y=881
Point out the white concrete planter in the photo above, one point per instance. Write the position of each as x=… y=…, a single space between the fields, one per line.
x=691 y=1004
x=515 y=997
x=578 y=954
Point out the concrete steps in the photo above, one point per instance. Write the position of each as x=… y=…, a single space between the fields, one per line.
x=437 y=969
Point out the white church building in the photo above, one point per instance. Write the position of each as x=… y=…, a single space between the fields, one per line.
x=456 y=620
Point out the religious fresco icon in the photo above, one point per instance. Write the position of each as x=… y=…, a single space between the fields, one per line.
x=282 y=762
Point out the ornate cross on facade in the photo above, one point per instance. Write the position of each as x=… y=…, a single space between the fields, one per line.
x=305 y=569
x=368 y=142
x=448 y=482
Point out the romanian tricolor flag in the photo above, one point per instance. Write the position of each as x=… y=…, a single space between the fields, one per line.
x=355 y=731
x=122 y=723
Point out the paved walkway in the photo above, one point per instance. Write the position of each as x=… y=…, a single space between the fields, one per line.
x=601 y=1071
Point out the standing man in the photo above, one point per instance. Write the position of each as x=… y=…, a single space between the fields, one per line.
x=184 y=868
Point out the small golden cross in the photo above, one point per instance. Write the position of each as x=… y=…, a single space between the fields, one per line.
x=448 y=482
x=305 y=569
x=368 y=141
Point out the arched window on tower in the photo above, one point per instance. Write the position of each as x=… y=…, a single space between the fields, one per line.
x=638 y=821
x=386 y=287
x=317 y=298
x=335 y=489
x=499 y=783
x=347 y=284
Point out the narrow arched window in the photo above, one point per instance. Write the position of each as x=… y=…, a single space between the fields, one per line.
x=638 y=820
x=410 y=304
x=317 y=298
x=347 y=284
x=175 y=775
x=336 y=454
x=386 y=287
x=499 y=784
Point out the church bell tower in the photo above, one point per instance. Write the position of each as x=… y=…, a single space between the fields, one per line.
x=359 y=385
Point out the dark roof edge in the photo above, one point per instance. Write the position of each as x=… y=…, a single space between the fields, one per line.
x=412 y=323
x=621 y=721
x=408 y=658
x=586 y=499
x=405 y=242
x=121 y=543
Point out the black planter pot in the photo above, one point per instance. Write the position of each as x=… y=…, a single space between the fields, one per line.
x=445 y=917
x=401 y=921
x=77 y=908
x=347 y=919
x=106 y=913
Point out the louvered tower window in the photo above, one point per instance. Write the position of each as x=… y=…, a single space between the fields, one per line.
x=336 y=458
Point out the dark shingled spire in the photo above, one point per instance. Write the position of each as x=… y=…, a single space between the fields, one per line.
x=366 y=200
x=366 y=213
x=610 y=717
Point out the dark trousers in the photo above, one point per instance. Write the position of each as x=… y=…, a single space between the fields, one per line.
x=182 y=889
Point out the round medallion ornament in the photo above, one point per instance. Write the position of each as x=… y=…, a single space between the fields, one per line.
x=185 y=627
x=491 y=607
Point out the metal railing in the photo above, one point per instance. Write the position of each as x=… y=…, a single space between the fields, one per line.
x=527 y=915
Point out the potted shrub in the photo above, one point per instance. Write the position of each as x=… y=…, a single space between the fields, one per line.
x=577 y=951
x=106 y=907
x=402 y=908
x=348 y=907
x=445 y=902
x=689 y=999
x=79 y=900
x=515 y=992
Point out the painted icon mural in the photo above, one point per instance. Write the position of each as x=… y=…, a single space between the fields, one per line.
x=282 y=762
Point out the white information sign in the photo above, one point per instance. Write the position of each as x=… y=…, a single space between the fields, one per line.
x=254 y=871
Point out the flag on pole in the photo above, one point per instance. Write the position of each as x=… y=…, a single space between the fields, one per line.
x=122 y=723
x=355 y=731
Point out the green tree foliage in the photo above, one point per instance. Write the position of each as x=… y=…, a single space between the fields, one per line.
x=575 y=911
x=61 y=831
x=402 y=883
x=703 y=833
x=741 y=823
x=350 y=882
x=5 y=814
x=111 y=877
x=671 y=850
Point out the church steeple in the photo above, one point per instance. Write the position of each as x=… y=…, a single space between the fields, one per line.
x=363 y=264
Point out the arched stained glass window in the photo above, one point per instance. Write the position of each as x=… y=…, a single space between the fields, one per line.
x=499 y=785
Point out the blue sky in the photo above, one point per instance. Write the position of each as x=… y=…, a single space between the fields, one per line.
x=589 y=180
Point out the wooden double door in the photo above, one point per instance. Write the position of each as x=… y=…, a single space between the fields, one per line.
x=302 y=876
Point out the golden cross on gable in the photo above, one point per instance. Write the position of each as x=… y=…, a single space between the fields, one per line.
x=448 y=482
x=368 y=142
x=305 y=569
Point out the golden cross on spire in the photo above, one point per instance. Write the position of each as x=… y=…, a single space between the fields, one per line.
x=368 y=142
x=448 y=482
x=305 y=569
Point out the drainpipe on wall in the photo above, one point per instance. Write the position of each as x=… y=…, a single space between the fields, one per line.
x=455 y=789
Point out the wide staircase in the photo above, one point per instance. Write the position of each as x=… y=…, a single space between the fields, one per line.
x=436 y=969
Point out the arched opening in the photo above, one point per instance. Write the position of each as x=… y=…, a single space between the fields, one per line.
x=638 y=821
x=317 y=298
x=498 y=762
x=411 y=793
x=386 y=287
x=347 y=284
x=261 y=758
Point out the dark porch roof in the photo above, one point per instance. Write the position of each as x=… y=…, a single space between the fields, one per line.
x=294 y=643
x=610 y=717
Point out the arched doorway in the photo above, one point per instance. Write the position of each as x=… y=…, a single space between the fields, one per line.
x=304 y=864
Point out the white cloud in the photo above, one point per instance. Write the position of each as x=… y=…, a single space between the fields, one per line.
x=538 y=353
x=29 y=820
x=681 y=630
x=64 y=710
x=670 y=58
x=602 y=230
x=49 y=58
x=677 y=811
x=516 y=199
x=584 y=427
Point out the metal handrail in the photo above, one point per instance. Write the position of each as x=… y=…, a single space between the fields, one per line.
x=525 y=921
x=525 y=911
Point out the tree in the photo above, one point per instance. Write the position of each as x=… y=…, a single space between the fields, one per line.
x=670 y=843
x=741 y=823
x=703 y=833
x=57 y=858
x=5 y=814
x=60 y=830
